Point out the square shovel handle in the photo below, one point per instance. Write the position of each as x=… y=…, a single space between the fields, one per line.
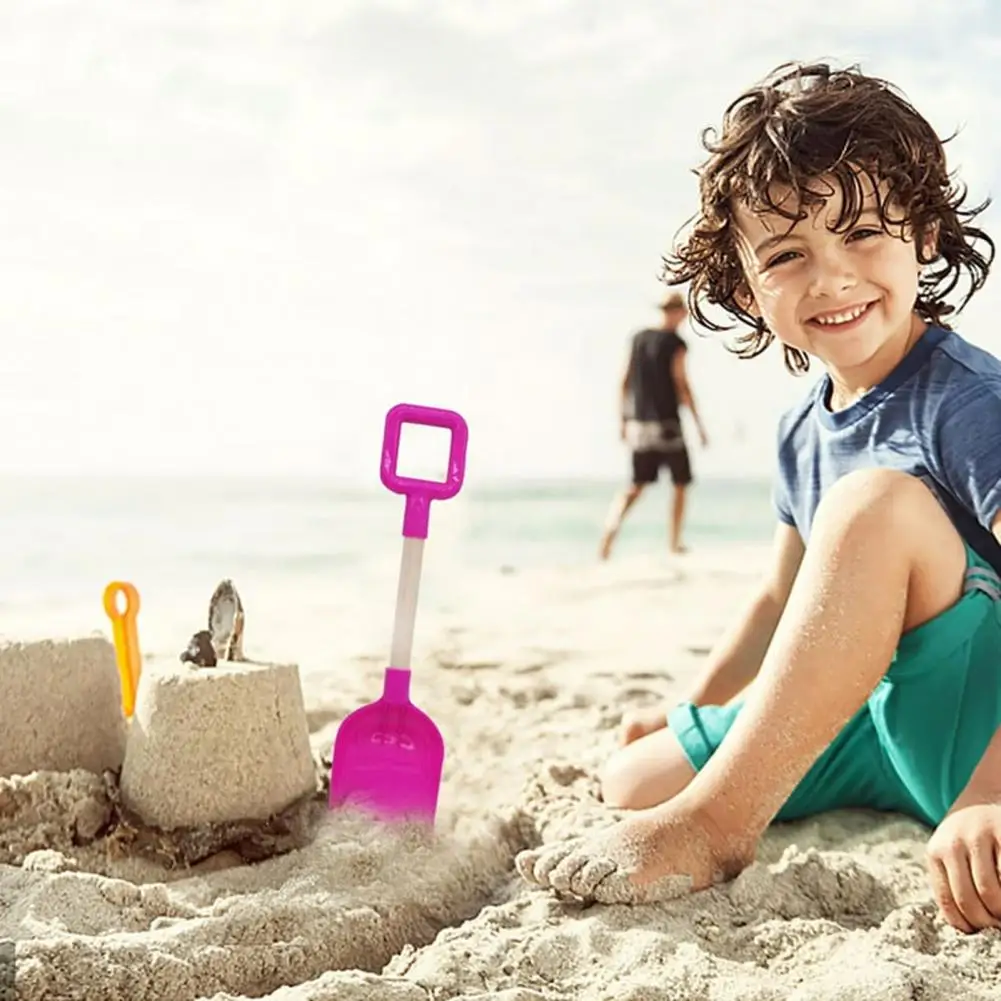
x=419 y=493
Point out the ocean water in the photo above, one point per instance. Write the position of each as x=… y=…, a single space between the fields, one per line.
x=307 y=549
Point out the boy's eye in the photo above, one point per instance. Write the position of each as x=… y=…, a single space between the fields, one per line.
x=786 y=255
x=862 y=233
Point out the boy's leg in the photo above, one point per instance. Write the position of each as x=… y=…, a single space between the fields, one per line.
x=883 y=558
x=646 y=772
x=939 y=705
x=853 y=771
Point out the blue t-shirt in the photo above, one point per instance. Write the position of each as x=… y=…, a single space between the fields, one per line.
x=937 y=416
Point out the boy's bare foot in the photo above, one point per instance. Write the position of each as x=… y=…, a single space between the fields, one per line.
x=657 y=854
x=679 y=549
x=639 y=724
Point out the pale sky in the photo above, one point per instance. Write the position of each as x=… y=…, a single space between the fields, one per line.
x=234 y=234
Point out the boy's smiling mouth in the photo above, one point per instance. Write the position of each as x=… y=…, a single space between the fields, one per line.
x=844 y=318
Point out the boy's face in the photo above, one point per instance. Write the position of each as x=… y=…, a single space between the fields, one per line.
x=842 y=297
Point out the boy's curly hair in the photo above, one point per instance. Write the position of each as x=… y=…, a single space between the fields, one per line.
x=802 y=123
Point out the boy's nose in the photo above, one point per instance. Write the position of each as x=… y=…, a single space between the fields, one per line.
x=832 y=273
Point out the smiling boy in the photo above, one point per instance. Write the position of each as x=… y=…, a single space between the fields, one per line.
x=868 y=662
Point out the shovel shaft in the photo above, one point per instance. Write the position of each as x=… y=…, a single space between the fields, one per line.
x=406 y=603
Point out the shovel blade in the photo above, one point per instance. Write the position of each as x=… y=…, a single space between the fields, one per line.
x=387 y=761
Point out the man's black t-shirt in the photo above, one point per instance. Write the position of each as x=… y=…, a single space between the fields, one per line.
x=651 y=384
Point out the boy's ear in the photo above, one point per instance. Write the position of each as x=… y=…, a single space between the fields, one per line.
x=929 y=245
x=745 y=300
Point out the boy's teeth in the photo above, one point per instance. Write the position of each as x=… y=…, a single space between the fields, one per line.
x=852 y=314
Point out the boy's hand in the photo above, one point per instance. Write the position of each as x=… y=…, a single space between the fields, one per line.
x=963 y=862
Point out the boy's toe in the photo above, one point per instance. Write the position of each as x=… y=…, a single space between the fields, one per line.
x=588 y=878
x=563 y=874
x=537 y=865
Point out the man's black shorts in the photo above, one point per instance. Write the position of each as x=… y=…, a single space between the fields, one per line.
x=646 y=466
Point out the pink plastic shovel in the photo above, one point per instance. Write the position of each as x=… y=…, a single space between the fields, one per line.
x=388 y=755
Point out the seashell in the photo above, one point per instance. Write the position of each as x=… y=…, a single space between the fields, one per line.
x=226 y=619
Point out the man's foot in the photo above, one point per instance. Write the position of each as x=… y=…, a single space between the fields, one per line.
x=605 y=549
x=657 y=854
x=640 y=724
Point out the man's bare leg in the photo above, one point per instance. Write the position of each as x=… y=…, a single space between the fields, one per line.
x=622 y=503
x=678 y=518
x=883 y=558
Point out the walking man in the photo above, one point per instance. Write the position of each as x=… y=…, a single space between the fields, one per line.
x=654 y=386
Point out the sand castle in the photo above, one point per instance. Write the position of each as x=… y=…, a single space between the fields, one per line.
x=211 y=745
x=61 y=707
x=204 y=745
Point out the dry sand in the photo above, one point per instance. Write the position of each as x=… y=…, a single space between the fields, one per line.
x=527 y=681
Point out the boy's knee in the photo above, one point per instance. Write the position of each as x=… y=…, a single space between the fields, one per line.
x=619 y=785
x=896 y=519
x=881 y=497
x=613 y=793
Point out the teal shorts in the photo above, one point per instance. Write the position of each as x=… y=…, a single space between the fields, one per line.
x=914 y=744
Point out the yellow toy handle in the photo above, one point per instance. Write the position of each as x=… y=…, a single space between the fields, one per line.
x=123 y=626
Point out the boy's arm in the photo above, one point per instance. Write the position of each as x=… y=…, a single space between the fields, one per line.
x=683 y=388
x=736 y=659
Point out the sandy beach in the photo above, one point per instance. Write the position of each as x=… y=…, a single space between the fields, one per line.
x=527 y=680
